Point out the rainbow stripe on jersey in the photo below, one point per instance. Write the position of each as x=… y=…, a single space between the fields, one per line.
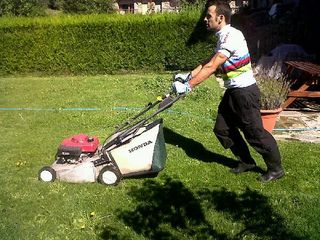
x=234 y=67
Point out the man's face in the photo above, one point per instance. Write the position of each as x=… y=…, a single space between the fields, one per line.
x=211 y=19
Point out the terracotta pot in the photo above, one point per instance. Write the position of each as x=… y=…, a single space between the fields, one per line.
x=269 y=118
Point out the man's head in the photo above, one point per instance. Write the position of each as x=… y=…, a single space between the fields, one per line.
x=218 y=14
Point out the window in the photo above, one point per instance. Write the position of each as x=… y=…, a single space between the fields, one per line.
x=127 y=8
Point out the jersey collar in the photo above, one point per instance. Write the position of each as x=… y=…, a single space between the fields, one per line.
x=223 y=30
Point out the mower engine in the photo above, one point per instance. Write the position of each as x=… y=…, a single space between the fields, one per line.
x=75 y=149
x=75 y=160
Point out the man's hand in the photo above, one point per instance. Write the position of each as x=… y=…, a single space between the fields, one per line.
x=180 y=88
x=182 y=77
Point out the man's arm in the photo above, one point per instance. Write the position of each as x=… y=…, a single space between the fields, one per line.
x=202 y=72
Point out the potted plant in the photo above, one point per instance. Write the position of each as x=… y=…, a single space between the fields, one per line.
x=274 y=89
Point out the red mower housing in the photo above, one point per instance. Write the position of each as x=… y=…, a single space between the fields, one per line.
x=84 y=142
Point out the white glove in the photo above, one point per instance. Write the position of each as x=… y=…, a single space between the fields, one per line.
x=180 y=88
x=182 y=77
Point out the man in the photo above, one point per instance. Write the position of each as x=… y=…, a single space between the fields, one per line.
x=239 y=107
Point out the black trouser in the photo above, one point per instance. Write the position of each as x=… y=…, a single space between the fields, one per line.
x=240 y=109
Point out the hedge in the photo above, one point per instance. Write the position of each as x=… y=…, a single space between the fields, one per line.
x=86 y=6
x=101 y=44
x=22 y=7
x=32 y=8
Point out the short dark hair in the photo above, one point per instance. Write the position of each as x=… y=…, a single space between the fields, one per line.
x=223 y=8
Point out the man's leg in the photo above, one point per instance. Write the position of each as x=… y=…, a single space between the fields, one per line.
x=230 y=137
x=259 y=138
x=265 y=144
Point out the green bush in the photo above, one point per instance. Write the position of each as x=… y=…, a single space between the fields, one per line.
x=98 y=44
x=56 y=4
x=22 y=7
x=88 y=6
x=38 y=7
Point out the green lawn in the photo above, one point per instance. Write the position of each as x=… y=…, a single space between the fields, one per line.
x=194 y=197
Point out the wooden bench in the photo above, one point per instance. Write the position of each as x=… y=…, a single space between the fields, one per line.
x=310 y=76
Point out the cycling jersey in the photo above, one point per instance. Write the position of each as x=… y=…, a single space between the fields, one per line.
x=237 y=71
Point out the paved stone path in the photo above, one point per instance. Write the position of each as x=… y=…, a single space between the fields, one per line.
x=298 y=125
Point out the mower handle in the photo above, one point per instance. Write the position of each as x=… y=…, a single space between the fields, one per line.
x=166 y=102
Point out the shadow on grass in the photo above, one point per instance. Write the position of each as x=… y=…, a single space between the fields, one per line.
x=196 y=150
x=167 y=209
x=252 y=210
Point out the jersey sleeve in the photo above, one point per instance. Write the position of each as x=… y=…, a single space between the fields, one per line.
x=229 y=44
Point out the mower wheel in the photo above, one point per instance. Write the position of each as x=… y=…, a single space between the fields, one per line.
x=109 y=175
x=47 y=174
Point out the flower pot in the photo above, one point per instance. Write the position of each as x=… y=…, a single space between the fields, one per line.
x=269 y=118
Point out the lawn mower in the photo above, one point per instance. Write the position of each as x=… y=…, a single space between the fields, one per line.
x=136 y=148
